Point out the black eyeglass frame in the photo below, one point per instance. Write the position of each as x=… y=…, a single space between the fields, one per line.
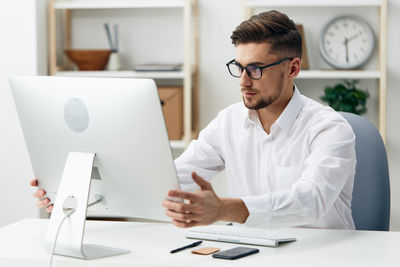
x=232 y=62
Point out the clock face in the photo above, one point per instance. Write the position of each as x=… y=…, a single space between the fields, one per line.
x=347 y=42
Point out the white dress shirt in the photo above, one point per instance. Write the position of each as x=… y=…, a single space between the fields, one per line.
x=301 y=174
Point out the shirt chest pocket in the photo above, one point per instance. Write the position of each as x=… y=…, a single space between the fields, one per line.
x=286 y=176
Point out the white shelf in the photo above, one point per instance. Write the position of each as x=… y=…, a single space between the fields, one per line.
x=339 y=74
x=177 y=144
x=124 y=74
x=109 y=4
x=312 y=3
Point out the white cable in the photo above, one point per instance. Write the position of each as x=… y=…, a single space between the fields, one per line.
x=61 y=223
x=100 y=199
x=58 y=231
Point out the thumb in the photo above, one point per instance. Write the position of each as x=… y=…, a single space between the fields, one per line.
x=204 y=184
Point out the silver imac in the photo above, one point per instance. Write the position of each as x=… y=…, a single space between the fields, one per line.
x=106 y=134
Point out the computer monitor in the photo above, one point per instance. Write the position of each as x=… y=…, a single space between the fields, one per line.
x=68 y=120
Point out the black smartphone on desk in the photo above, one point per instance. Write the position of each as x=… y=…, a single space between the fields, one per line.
x=235 y=253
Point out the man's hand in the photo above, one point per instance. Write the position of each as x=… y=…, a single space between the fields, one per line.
x=204 y=206
x=39 y=194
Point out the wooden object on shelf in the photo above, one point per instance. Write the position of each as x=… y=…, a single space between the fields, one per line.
x=172 y=105
x=88 y=59
x=304 y=59
x=379 y=73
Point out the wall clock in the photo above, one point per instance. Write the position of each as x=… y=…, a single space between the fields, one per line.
x=347 y=42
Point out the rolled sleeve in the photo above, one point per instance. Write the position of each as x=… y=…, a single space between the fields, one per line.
x=260 y=210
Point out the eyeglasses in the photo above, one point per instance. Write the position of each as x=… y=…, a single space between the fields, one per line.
x=254 y=71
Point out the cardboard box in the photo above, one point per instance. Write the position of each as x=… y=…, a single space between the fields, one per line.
x=172 y=105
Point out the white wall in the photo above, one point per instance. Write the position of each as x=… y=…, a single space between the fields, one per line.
x=217 y=88
x=393 y=110
x=20 y=52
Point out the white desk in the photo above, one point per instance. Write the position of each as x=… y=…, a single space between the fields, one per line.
x=21 y=244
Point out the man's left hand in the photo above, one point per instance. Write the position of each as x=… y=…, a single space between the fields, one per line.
x=204 y=206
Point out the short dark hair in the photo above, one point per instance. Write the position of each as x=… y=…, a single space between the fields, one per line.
x=272 y=27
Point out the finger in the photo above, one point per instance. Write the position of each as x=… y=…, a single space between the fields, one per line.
x=39 y=193
x=180 y=216
x=179 y=207
x=204 y=184
x=33 y=182
x=49 y=208
x=43 y=202
x=185 y=224
x=183 y=195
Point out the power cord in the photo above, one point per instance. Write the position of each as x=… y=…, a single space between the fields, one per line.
x=69 y=213
x=58 y=231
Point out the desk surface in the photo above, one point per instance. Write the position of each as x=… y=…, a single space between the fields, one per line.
x=21 y=244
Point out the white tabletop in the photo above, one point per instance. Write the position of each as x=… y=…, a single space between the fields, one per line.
x=21 y=244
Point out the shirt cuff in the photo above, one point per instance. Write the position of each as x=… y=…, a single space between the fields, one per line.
x=260 y=210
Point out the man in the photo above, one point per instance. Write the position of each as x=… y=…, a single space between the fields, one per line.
x=289 y=161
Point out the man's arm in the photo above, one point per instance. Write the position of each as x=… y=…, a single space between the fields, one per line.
x=327 y=170
x=204 y=207
x=204 y=156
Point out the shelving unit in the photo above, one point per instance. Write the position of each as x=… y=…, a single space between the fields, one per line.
x=339 y=74
x=125 y=74
x=100 y=4
x=377 y=73
x=312 y=3
x=188 y=75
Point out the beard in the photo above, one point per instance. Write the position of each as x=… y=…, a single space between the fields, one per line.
x=261 y=103
x=264 y=102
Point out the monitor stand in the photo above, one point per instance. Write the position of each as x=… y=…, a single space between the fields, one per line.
x=75 y=186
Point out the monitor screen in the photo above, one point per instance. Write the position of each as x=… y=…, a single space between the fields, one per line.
x=120 y=120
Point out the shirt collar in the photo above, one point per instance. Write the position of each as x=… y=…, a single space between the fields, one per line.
x=286 y=119
x=290 y=113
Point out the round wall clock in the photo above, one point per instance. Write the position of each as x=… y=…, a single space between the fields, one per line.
x=347 y=42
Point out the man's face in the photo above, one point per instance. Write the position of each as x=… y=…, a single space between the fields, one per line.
x=258 y=94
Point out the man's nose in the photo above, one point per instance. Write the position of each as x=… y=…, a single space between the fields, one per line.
x=245 y=80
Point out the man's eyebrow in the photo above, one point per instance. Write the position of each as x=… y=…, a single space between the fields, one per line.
x=252 y=63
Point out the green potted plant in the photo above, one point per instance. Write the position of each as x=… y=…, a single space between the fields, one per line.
x=345 y=96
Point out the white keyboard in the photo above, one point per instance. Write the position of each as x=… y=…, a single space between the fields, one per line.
x=239 y=234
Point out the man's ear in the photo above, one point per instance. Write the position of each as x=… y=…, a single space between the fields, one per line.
x=295 y=65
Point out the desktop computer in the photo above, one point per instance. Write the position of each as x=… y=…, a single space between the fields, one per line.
x=95 y=140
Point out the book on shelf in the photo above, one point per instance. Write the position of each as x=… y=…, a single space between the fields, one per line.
x=158 y=67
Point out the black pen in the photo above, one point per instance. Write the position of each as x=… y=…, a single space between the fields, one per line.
x=195 y=244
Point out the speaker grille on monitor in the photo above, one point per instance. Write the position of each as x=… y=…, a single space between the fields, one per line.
x=76 y=115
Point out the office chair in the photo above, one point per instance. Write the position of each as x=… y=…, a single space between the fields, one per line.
x=371 y=193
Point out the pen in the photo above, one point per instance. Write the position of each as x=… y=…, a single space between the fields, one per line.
x=195 y=244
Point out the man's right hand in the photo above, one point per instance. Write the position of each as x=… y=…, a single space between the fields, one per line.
x=43 y=202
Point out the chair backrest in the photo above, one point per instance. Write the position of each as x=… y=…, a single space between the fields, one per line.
x=371 y=193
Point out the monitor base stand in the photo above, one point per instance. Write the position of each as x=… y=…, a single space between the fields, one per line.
x=75 y=186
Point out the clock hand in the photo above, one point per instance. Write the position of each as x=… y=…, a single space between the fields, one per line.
x=352 y=37
x=346 y=41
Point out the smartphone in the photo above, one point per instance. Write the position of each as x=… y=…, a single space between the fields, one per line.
x=235 y=253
